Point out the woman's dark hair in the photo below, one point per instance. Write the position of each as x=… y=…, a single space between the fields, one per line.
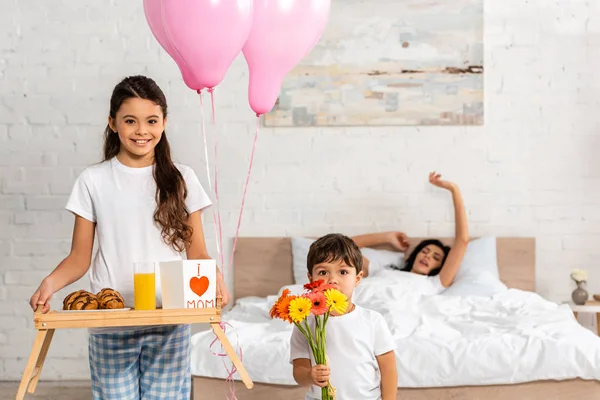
x=171 y=213
x=408 y=264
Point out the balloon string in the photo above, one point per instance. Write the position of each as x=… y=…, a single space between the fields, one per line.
x=237 y=231
x=216 y=180
x=214 y=214
x=230 y=371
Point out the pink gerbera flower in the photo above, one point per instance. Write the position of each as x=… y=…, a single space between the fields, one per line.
x=319 y=303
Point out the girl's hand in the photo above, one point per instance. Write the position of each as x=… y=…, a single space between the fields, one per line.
x=320 y=375
x=436 y=180
x=398 y=240
x=222 y=290
x=42 y=295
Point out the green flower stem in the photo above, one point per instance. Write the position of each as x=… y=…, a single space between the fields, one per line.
x=306 y=335
x=317 y=343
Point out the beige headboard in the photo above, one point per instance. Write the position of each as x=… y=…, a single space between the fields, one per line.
x=263 y=265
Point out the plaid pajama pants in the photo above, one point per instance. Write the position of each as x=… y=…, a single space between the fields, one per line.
x=149 y=364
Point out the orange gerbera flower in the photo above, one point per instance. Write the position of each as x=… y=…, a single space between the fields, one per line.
x=283 y=308
x=314 y=284
x=319 y=303
x=274 y=313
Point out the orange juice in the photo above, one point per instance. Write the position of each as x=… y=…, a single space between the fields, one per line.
x=144 y=291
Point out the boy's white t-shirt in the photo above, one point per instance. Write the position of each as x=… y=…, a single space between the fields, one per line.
x=353 y=342
x=121 y=201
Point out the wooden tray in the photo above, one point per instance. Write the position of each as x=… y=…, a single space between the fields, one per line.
x=47 y=323
x=101 y=319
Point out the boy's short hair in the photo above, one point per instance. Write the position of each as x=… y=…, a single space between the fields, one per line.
x=334 y=247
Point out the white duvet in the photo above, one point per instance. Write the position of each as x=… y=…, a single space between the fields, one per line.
x=514 y=337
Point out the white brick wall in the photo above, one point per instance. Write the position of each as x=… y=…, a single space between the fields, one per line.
x=532 y=170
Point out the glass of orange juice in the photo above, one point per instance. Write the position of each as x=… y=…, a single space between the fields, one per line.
x=144 y=286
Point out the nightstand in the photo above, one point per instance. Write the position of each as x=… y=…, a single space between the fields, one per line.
x=589 y=307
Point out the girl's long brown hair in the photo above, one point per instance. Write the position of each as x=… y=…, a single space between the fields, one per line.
x=171 y=213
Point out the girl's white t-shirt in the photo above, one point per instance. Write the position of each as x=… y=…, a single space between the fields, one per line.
x=121 y=201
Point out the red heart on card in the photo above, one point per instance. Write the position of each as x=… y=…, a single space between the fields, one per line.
x=199 y=285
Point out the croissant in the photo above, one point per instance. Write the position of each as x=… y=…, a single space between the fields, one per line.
x=110 y=299
x=80 y=300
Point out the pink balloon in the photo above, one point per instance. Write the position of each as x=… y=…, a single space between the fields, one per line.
x=283 y=33
x=154 y=17
x=207 y=34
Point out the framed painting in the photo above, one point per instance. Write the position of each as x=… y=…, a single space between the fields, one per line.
x=389 y=62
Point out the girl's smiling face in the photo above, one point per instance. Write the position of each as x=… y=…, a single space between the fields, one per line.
x=140 y=124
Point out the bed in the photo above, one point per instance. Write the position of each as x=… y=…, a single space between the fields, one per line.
x=566 y=366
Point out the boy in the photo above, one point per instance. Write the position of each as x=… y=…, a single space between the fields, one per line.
x=360 y=348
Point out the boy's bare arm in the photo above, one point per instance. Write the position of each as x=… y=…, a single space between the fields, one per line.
x=306 y=375
x=389 y=375
x=302 y=369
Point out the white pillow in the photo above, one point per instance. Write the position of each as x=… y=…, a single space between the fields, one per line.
x=478 y=272
x=378 y=259
x=300 y=247
x=295 y=290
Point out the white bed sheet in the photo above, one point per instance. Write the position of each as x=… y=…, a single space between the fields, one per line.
x=514 y=337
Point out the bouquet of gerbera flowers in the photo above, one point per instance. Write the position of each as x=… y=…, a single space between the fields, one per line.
x=318 y=299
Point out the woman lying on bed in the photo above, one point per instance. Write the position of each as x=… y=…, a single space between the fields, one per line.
x=431 y=257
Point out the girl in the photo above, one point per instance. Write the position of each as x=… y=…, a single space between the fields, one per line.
x=430 y=257
x=143 y=207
